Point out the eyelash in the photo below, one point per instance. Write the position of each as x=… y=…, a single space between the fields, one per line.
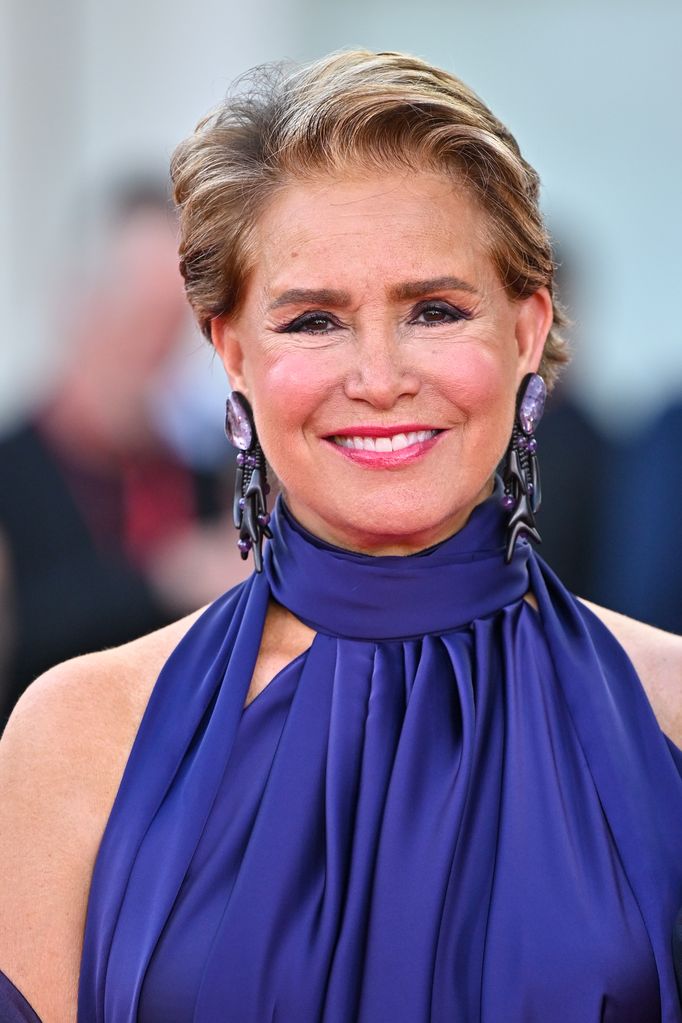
x=301 y=323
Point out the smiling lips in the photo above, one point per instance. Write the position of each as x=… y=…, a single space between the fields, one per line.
x=382 y=447
x=392 y=442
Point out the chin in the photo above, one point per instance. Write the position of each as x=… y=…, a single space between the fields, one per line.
x=384 y=527
x=398 y=518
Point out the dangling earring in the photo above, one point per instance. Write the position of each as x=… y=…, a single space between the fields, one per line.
x=249 y=509
x=521 y=473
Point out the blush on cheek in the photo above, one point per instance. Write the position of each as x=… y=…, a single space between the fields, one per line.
x=300 y=377
x=286 y=395
x=478 y=384
x=483 y=389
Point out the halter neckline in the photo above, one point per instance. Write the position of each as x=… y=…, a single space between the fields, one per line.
x=360 y=596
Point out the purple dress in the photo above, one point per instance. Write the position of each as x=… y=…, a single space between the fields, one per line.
x=13 y=1006
x=450 y=809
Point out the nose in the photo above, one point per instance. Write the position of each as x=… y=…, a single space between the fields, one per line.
x=380 y=374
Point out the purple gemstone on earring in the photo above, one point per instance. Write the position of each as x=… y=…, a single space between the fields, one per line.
x=508 y=502
x=532 y=445
x=252 y=461
x=241 y=458
x=242 y=503
x=532 y=403
x=244 y=546
x=263 y=520
x=238 y=427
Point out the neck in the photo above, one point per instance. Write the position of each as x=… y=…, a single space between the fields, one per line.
x=377 y=543
x=346 y=593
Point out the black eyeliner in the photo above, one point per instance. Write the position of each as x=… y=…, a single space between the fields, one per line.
x=444 y=307
x=301 y=321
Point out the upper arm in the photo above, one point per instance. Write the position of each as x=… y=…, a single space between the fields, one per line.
x=53 y=807
x=62 y=756
x=657 y=659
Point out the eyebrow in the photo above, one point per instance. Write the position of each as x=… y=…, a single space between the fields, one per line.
x=399 y=292
x=413 y=289
x=311 y=296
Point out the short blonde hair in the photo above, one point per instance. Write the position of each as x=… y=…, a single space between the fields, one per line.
x=352 y=109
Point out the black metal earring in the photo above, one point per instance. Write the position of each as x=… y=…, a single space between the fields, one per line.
x=249 y=508
x=521 y=473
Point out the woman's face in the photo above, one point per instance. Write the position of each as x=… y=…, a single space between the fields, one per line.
x=381 y=355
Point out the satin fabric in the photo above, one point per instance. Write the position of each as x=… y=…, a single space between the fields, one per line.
x=450 y=808
x=13 y=1006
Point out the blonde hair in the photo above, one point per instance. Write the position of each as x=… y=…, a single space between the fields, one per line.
x=349 y=110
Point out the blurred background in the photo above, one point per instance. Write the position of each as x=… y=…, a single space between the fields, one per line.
x=116 y=478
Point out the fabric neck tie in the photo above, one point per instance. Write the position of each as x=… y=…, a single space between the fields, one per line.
x=342 y=593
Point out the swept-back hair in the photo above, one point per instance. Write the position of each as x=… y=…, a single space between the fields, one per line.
x=351 y=110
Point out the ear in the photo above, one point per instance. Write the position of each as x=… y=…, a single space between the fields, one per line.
x=228 y=346
x=533 y=324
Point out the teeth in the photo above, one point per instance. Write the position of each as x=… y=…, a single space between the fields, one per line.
x=394 y=443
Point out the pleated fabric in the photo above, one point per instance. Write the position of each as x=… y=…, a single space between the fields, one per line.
x=451 y=808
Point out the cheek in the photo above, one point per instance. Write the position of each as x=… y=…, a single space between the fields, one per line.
x=286 y=393
x=483 y=390
x=481 y=384
x=302 y=376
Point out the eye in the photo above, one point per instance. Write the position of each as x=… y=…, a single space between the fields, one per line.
x=434 y=313
x=310 y=323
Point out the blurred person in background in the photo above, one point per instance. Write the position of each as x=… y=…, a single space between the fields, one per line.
x=6 y=617
x=108 y=533
x=638 y=557
x=576 y=457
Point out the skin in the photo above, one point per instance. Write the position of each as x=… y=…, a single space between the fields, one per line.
x=443 y=357
x=65 y=748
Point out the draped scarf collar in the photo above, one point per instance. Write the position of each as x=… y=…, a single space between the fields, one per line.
x=359 y=596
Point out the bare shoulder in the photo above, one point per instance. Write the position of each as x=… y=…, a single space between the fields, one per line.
x=657 y=657
x=62 y=756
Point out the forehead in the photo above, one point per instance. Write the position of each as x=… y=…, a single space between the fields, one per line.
x=386 y=224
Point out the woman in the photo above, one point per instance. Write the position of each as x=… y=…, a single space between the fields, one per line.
x=400 y=773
